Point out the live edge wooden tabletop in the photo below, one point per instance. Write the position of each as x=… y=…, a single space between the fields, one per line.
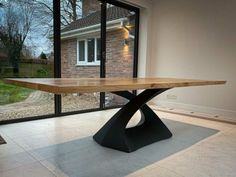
x=88 y=85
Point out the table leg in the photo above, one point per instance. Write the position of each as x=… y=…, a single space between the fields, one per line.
x=150 y=129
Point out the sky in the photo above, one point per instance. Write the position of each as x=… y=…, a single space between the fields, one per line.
x=36 y=40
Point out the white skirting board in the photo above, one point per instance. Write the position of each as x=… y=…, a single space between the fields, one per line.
x=195 y=110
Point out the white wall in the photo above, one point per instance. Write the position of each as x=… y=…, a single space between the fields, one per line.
x=196 y=39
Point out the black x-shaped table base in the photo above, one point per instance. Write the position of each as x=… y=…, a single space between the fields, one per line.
x=150 y=129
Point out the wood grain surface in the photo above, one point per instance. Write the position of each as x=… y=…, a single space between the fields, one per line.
x=88 y=85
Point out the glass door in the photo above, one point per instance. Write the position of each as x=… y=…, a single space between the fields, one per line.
x=26 y=51
x=80 y=50
x=121 y=46
x=101 y=41
x=98 y=38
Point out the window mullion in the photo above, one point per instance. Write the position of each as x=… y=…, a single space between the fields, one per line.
x=95 y=50
x=86 y=51
x=78 y=53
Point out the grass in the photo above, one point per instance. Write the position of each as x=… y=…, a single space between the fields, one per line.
x=11 y=94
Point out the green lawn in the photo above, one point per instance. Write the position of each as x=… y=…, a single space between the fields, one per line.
x=11 y=94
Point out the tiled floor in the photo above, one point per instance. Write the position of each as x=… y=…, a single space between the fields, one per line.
x=29 y=152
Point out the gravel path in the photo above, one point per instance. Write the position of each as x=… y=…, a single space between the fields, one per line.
x=42 y=103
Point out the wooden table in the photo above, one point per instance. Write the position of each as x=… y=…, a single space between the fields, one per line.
x=114 y=133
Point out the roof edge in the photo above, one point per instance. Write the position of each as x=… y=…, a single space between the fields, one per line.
x=90 y=28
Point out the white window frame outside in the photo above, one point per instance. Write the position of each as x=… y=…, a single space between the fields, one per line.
x=85 y=62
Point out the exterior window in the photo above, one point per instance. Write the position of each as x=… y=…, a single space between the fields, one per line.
x=88 y=51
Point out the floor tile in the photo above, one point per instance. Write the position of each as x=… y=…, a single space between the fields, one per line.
x=31 y=170
x=209 y=158
x=155 y=171
x=10 y=148
x=9 y=162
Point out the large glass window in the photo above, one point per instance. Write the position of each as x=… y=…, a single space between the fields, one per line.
x=26 y=51
x=120 y=49
x=79 y=54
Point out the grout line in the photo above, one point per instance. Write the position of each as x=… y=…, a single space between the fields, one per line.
x=62 y=174
x=31 y=155
x=24 y=151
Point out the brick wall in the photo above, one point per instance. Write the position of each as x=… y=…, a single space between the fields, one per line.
x=68 y=62
x=90 y=6
x=119 y=58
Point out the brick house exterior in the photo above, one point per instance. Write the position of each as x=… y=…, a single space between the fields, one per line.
x=119 y=56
